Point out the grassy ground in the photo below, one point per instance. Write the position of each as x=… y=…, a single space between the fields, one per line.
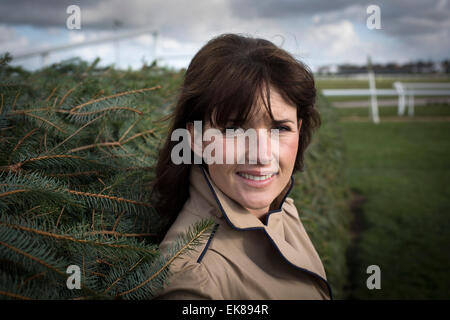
x=381 y=83
x=400 y=175
x=365 y=99
x=419 y=111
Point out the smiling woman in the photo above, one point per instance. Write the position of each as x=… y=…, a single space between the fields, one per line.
x=258 y=248
x=257 y=186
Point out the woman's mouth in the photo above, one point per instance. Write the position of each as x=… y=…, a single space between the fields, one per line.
x=256 y=180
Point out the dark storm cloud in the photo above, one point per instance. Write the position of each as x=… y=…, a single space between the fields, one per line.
x=37 y=12
x=283 y=8
x=180 y=19
x=413 y=18
x=399 y=17
x=408 y=18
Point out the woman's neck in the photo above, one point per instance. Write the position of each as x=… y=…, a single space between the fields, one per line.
x=259 y=213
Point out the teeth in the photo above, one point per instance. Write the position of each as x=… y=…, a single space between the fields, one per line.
x=256 y=178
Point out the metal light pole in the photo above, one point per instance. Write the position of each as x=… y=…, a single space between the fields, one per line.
x=45 y=52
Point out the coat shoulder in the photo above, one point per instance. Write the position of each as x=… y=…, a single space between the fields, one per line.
x=290 y=208
x=189 y=277
x=191 y=281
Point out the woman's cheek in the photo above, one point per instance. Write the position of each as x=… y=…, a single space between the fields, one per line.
x=234 y=151
x=288 y=150
x=229 y=151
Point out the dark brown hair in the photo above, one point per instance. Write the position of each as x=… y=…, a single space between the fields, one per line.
x=224 y=78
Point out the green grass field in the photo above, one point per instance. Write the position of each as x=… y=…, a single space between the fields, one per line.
x=362 y=98
x=419 y=111
x=381 y=83
x=399 y=173
x=402 y=172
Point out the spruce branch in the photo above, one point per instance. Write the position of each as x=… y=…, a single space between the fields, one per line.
x=129 y=129
x=109 y=243
x=102 y=196
x=26 y=254
x=45 y=260
x=16 y=166
x=75 y=166
x=112 y=108
x=113 y=96
x=14 y=295
x=51 y=94
x=67 y=94
x=75 y=133
x=184 y=243
x=113 y=143
x=44 y=120
x=20 y=142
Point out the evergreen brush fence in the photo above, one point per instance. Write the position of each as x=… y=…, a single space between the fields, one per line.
x=75 y=165
x=322 y=197
x=78 y=148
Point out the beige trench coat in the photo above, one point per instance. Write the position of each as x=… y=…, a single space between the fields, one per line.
x=243 y=258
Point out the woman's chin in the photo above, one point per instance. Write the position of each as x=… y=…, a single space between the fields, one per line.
x=253 y=199
x=255 y=205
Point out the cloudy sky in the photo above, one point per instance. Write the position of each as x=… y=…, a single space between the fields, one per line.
x=319 y=32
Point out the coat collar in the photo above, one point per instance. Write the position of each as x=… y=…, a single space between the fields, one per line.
x=304 y=258
x=237 y=216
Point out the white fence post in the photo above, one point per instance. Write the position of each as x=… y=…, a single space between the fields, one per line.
x=405 y=91
x=411 y=89
x=373 y=98
x=401 y=97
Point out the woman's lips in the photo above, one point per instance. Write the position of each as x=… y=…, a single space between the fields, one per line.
x=258 y=173
x=246 y=178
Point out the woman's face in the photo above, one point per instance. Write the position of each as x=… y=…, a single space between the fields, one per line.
x=255 y=186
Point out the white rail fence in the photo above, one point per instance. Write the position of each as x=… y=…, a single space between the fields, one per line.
x=45 y=52
x=409 y=90
x=405 y=91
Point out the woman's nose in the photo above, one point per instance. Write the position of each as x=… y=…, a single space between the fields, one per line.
x=264 y=154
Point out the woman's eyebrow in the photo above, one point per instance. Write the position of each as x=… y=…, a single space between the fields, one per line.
x=282 y=121
x=274 y=121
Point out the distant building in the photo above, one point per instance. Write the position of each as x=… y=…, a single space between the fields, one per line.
x=328 y=70
x=421 y=67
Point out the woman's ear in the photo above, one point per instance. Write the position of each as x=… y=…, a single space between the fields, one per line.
x=299 y=124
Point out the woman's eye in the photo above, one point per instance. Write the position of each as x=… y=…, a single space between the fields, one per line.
x=237 y=129
x=283 y=128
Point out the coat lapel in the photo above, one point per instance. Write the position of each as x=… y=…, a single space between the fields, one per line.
x=241 y=219
x=286 y=234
